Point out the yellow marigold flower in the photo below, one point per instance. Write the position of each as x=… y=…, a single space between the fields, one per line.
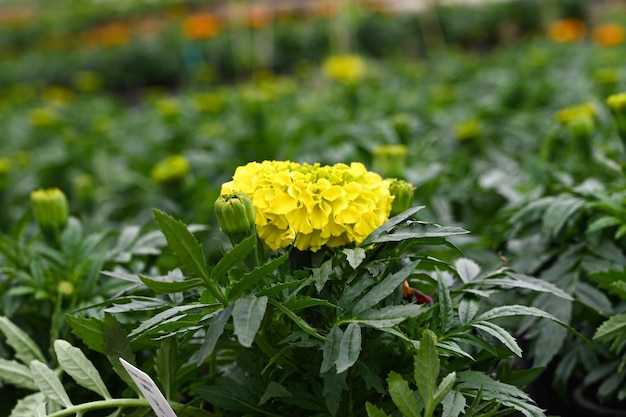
x=311 y=206
x=609 y=34
x=567 y=30
x=170 y=170
x=87 y=81
x=344 y=68
x=579 y=120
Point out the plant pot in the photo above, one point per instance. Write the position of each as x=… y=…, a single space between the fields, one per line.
x=586 y=406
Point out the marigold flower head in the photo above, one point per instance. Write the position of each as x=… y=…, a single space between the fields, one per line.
x=311 y=206
x=467 y=130
x=201 y=26
x=609 y=34
x=579 y=120
x=567 y=30
x=344 y=68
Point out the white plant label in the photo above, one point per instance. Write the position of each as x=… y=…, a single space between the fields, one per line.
x=150 y=390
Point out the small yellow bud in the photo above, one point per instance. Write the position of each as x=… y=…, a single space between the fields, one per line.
x=171 y=170
x=65 y=288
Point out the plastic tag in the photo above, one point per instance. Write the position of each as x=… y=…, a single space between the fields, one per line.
x=149 y=390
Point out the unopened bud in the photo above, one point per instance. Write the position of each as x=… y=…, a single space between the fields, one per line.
x=51 y=209
x=236 y=216
x=390 y=160
x=171 y=170
x=581 y=124
x=617 y=106
x=402 y=192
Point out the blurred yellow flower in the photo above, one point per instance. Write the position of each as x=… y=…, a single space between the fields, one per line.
x=87 y=81
x=344 y=68
x=43 y=116
x=58 y=95
x=567 y=30
x=170 y=170
x=609 y=34
x=312 y=206
x=468 y=129
x=209 y=102
x=5 y=167
x=390 y=160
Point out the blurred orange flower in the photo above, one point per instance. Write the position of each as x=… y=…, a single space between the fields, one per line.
x=258 y=16
x=567 y=30
x=201 y=26
x=112 y=34
x=325 y=8
x=609 y=34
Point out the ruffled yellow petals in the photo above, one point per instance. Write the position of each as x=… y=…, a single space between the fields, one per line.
x=312 y=206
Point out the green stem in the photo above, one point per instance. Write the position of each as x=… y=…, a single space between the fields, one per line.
x=114 y=403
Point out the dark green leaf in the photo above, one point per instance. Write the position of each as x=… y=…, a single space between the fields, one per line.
x=390 y=315
x=426 y=369
x=165 y=365
x=89 y=330
x=300 y=322
x=116 y=346
x=232 y=258
x=321 y=274
x=164 y=287
x=330 y=350
x=349 y=347
x=274 y=390
x=384 y=288
x=250 y=279
x=468 y=307
x=334 y=385
x=446 y=307
x=25 y=348
x=74 y=362
x=213 y=333
x=500 y=334
x=247 y=316
x=373 y=411
x=612 y=329
x=402 y=396
x=559 y=213
x=389 y=225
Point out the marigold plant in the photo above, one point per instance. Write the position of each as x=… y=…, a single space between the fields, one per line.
x=311 y=206
x=567 y=30
x=609 y=34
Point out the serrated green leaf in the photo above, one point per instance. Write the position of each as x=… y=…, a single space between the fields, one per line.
x=468 y=307
x=296 y=304
x=390 y=315
x=520 y=310
x=155 y=321
x=593 y=298
x=247 y=316
x=300 y=322
x=232 y=258
x=163 y=287
x=213 y=333
x=74 y=362
x=274 y=390
x=453 y=404
x=524 y=281
x=402 y=395
x=384 y=288
x=166 y=364
x=49 y=383
x=354 y=256
x=389 y=225
x=349 y=347
x=559 y=213
x=426 y=370
x=614 y=328
x=116 y=346
x=445 y=386
x=446 y=307
x=89 y=330
x=453 y=347
x=321 y=274
x=330 y=350
x=25 y=348
x=467 y=269
x=373 y=411
x=27 y=406
x=15 y=373
x=251 y=278
x=500 y=334
x=602 y=223
x=183 y=243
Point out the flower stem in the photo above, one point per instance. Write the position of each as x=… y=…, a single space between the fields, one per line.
x=116 y=403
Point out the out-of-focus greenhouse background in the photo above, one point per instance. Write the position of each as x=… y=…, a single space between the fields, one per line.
x=128 y=44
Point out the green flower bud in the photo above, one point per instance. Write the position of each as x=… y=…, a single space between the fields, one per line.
x=581 y=124
x=51 y=209
x=402 y=193
x=236 y=216
x=171 y=170
x=468 y=130
x=390 y=160
x=617 y=106
x=65 y=288
x=402 y=125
